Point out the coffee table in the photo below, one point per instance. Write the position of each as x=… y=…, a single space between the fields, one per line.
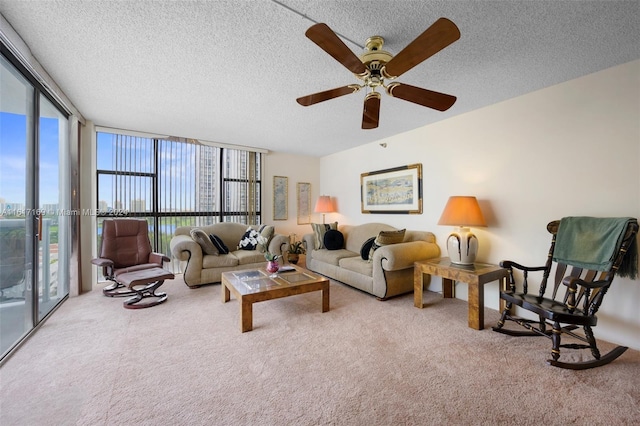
x=257 y=285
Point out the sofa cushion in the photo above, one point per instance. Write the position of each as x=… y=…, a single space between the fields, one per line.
x=219 y=244
x=333 y=239
x=332 y=257
x=356 y=235
x=249 y=240
x=221 y=261
x=319 y=229
x=246 y=257
x=356 y=264
x=366 y=248
x=201 y=237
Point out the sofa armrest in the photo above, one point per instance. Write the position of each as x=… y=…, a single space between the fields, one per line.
x=307 y=243
x=399 y=256
x=184 y=248
x=188 y=251
x=279 y=244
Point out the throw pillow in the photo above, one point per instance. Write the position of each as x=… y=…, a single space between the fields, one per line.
x=201 y=237
x=267 y=231
x=373 y=248
x=333 y=239
x=249 y=240
x=366 y=248
x=319 y=229
x=222 y=248
x=390 y=237
x=385 y=238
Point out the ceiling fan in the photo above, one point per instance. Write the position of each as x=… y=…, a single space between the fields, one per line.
x=375 y=66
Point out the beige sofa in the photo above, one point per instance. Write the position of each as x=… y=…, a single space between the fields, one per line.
x=390 y=271
x=199 y=268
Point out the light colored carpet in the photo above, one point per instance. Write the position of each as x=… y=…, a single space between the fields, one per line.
x=365 y=362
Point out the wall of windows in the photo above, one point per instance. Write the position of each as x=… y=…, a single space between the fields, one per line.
x=175 y=183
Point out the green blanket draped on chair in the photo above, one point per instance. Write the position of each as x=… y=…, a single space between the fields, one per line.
x=591 y=243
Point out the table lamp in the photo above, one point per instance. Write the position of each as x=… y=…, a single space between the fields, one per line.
x=324 y=205
x=462 y=212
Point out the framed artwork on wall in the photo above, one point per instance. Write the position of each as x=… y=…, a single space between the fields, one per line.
x=304 y=202
x=280 y=198
x=396 y=190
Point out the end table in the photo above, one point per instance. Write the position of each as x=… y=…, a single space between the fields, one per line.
x=475 y=276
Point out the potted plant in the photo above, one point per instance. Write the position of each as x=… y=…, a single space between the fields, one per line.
x=294 y=251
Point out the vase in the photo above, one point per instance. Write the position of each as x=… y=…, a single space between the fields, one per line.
x=272 y=266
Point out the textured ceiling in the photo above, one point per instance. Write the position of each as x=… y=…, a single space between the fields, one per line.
x=230 y=71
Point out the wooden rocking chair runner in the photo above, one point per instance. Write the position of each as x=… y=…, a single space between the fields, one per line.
x=585 y=282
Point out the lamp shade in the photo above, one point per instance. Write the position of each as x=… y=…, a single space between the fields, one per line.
x=462 y=211
x=324 y=205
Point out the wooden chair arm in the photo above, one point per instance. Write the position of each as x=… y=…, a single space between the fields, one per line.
x=574 y=282
x=508 y=264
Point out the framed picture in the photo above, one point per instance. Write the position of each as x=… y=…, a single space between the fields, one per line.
x=397 y=190
x=280 y=198
x=304 y=202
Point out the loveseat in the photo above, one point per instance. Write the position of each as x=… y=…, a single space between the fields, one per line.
x=389 y=271
x=201 y=268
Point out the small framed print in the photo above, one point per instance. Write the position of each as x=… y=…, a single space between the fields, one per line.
x=280 y=198
x=303 y=200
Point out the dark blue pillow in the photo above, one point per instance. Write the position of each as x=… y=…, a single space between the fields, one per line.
x=366 y=248
x=219 y=244
x=333 y=239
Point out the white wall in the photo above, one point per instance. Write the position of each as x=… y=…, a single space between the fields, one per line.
x=297 y=169
x=568 y=150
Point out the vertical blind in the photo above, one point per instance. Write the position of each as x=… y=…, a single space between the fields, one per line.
x=175 y=183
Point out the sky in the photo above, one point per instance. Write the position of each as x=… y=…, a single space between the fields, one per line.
x=13 y=158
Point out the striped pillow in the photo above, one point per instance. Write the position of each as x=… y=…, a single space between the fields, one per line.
x=319 y=229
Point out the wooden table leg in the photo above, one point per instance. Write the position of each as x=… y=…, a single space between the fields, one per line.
x=226 y=295
x=418 y=287
x=325 y=298
x=448 y=289
x=503 y=287
x=476 y=306
x=246 y=315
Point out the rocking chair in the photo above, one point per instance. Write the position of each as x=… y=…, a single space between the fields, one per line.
x=127 y=260
x=587 y=253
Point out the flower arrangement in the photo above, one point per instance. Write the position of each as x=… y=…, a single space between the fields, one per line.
x=262 y=243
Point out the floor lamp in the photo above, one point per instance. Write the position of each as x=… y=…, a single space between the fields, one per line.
x=324 y=205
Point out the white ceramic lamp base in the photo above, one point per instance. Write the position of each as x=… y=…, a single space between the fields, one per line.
x=462 y=246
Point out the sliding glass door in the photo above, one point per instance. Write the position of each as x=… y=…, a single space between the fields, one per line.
x=34 y=205
x=16 y=260
x=53 y=208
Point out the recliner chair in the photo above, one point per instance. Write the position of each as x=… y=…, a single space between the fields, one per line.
x=127 y=259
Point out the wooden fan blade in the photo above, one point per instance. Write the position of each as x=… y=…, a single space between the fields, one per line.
x=328 y=41
x=327 y=94
x=371 y=113
x=420 y=96
x=441 y=34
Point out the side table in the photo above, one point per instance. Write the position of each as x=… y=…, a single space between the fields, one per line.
x=475 y=276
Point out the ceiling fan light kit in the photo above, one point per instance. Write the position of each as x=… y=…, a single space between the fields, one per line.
x=375 y=66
